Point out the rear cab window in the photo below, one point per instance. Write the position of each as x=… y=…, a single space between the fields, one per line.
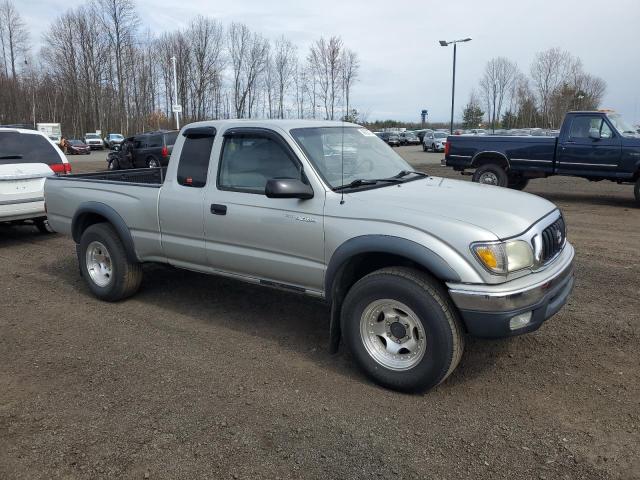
x=16 y=147
x=194 y=160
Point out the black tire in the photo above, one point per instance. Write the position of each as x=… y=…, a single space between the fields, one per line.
x=433 y=147
x=491 y=171
x=114 y=164
x=125 y=277
x=636 y=192
x=43 y=226
x=518 y=183
x=424 y=148
x=152 y=162
x=443 y=339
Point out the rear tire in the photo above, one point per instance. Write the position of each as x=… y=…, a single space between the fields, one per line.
x=389 y=303
x=43 y=226
x=104 y=265
x=491 y=174
x=518 y=183
x=424 y=148
x=153 y=163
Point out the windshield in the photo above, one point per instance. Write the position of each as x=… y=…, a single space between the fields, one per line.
x=116 y=136
x=92 y=135
x=440 y=135
x=366 y=157
x=621 y=125
x=76 y=142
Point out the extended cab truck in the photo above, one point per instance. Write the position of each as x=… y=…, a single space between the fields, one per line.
x=592 y=145
x=409 y=263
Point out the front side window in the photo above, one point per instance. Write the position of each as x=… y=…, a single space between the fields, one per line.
x=18 y=147
x=194 y=161
x=582 y=125
x=355 y=151
x=249 y=160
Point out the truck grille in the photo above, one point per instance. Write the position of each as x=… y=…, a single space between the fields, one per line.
x=553 y=238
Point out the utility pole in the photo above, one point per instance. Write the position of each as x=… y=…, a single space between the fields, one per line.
x=174 y=107
x=444 y=43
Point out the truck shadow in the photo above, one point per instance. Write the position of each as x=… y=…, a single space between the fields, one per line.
x=612 y=200
x=295 y=323
x=11 y=235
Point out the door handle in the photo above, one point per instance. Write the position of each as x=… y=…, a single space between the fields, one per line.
x=217 y=209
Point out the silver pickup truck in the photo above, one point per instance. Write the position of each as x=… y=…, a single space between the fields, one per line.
x=409 y=263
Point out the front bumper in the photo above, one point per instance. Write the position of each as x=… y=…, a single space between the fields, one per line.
x=487 y=310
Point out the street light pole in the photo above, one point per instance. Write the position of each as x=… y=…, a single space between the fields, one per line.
x=444 y=43
x=175 y=90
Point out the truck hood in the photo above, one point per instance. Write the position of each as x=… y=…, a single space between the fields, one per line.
x=501 y=211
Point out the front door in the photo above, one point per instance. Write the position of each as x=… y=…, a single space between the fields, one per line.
x=275 y=240
x=592 y=147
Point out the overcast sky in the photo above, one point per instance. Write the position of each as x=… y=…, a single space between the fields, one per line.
x=403 y=69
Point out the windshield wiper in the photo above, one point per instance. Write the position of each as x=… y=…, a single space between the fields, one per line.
x=359 y=182
x=10 y=157
x=404 y=173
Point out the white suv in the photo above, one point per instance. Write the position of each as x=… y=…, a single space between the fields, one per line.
x=27 y=157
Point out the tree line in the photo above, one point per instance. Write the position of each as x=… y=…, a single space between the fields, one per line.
x=100 y=69
x=556 y=84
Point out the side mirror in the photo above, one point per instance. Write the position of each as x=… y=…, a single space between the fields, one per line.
x=594 y=133
x=288 y=188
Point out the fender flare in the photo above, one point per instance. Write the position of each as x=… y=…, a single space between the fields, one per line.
x=112 y=217
x=377 y=244
x=499 y=154
x=391 y=245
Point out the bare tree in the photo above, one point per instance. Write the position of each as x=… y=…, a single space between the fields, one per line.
x=325 y=60
x=248 y=54
x=350 y=65
x=120 y=22
x=284 y=64
x=548 y=71
x=15 y=42
x=499 y=75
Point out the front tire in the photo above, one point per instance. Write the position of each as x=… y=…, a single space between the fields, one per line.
x=402 y=329
x=491 y=174
x=104 y=265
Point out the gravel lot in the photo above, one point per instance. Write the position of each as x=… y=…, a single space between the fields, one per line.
x=200 y=377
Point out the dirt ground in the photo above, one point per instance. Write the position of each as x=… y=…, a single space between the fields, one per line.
x=201 y=377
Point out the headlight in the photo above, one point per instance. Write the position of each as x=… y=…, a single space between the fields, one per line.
x=504 y=257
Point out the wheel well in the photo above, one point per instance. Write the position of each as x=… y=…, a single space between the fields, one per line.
x=486 y=158
x=84 y=221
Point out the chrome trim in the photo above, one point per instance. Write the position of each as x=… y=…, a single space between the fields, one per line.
x=530 y=160
x=460 y=156
x=495 y=298
x=24 y=200
x=590 y=164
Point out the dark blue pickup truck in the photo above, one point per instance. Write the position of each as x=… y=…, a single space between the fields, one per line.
x=592 y=145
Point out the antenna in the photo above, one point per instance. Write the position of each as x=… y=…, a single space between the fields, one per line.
x=342 y=165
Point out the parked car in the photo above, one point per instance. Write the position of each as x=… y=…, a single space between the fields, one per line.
x=409 y=138
x=27 y=157
x=113 y=139
x=421 y=133
x=77 y=147
x=390 y=138
x=150 y=150
x=592 y=145
x=94 y=141
x=408 y=263
x=434 y=141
